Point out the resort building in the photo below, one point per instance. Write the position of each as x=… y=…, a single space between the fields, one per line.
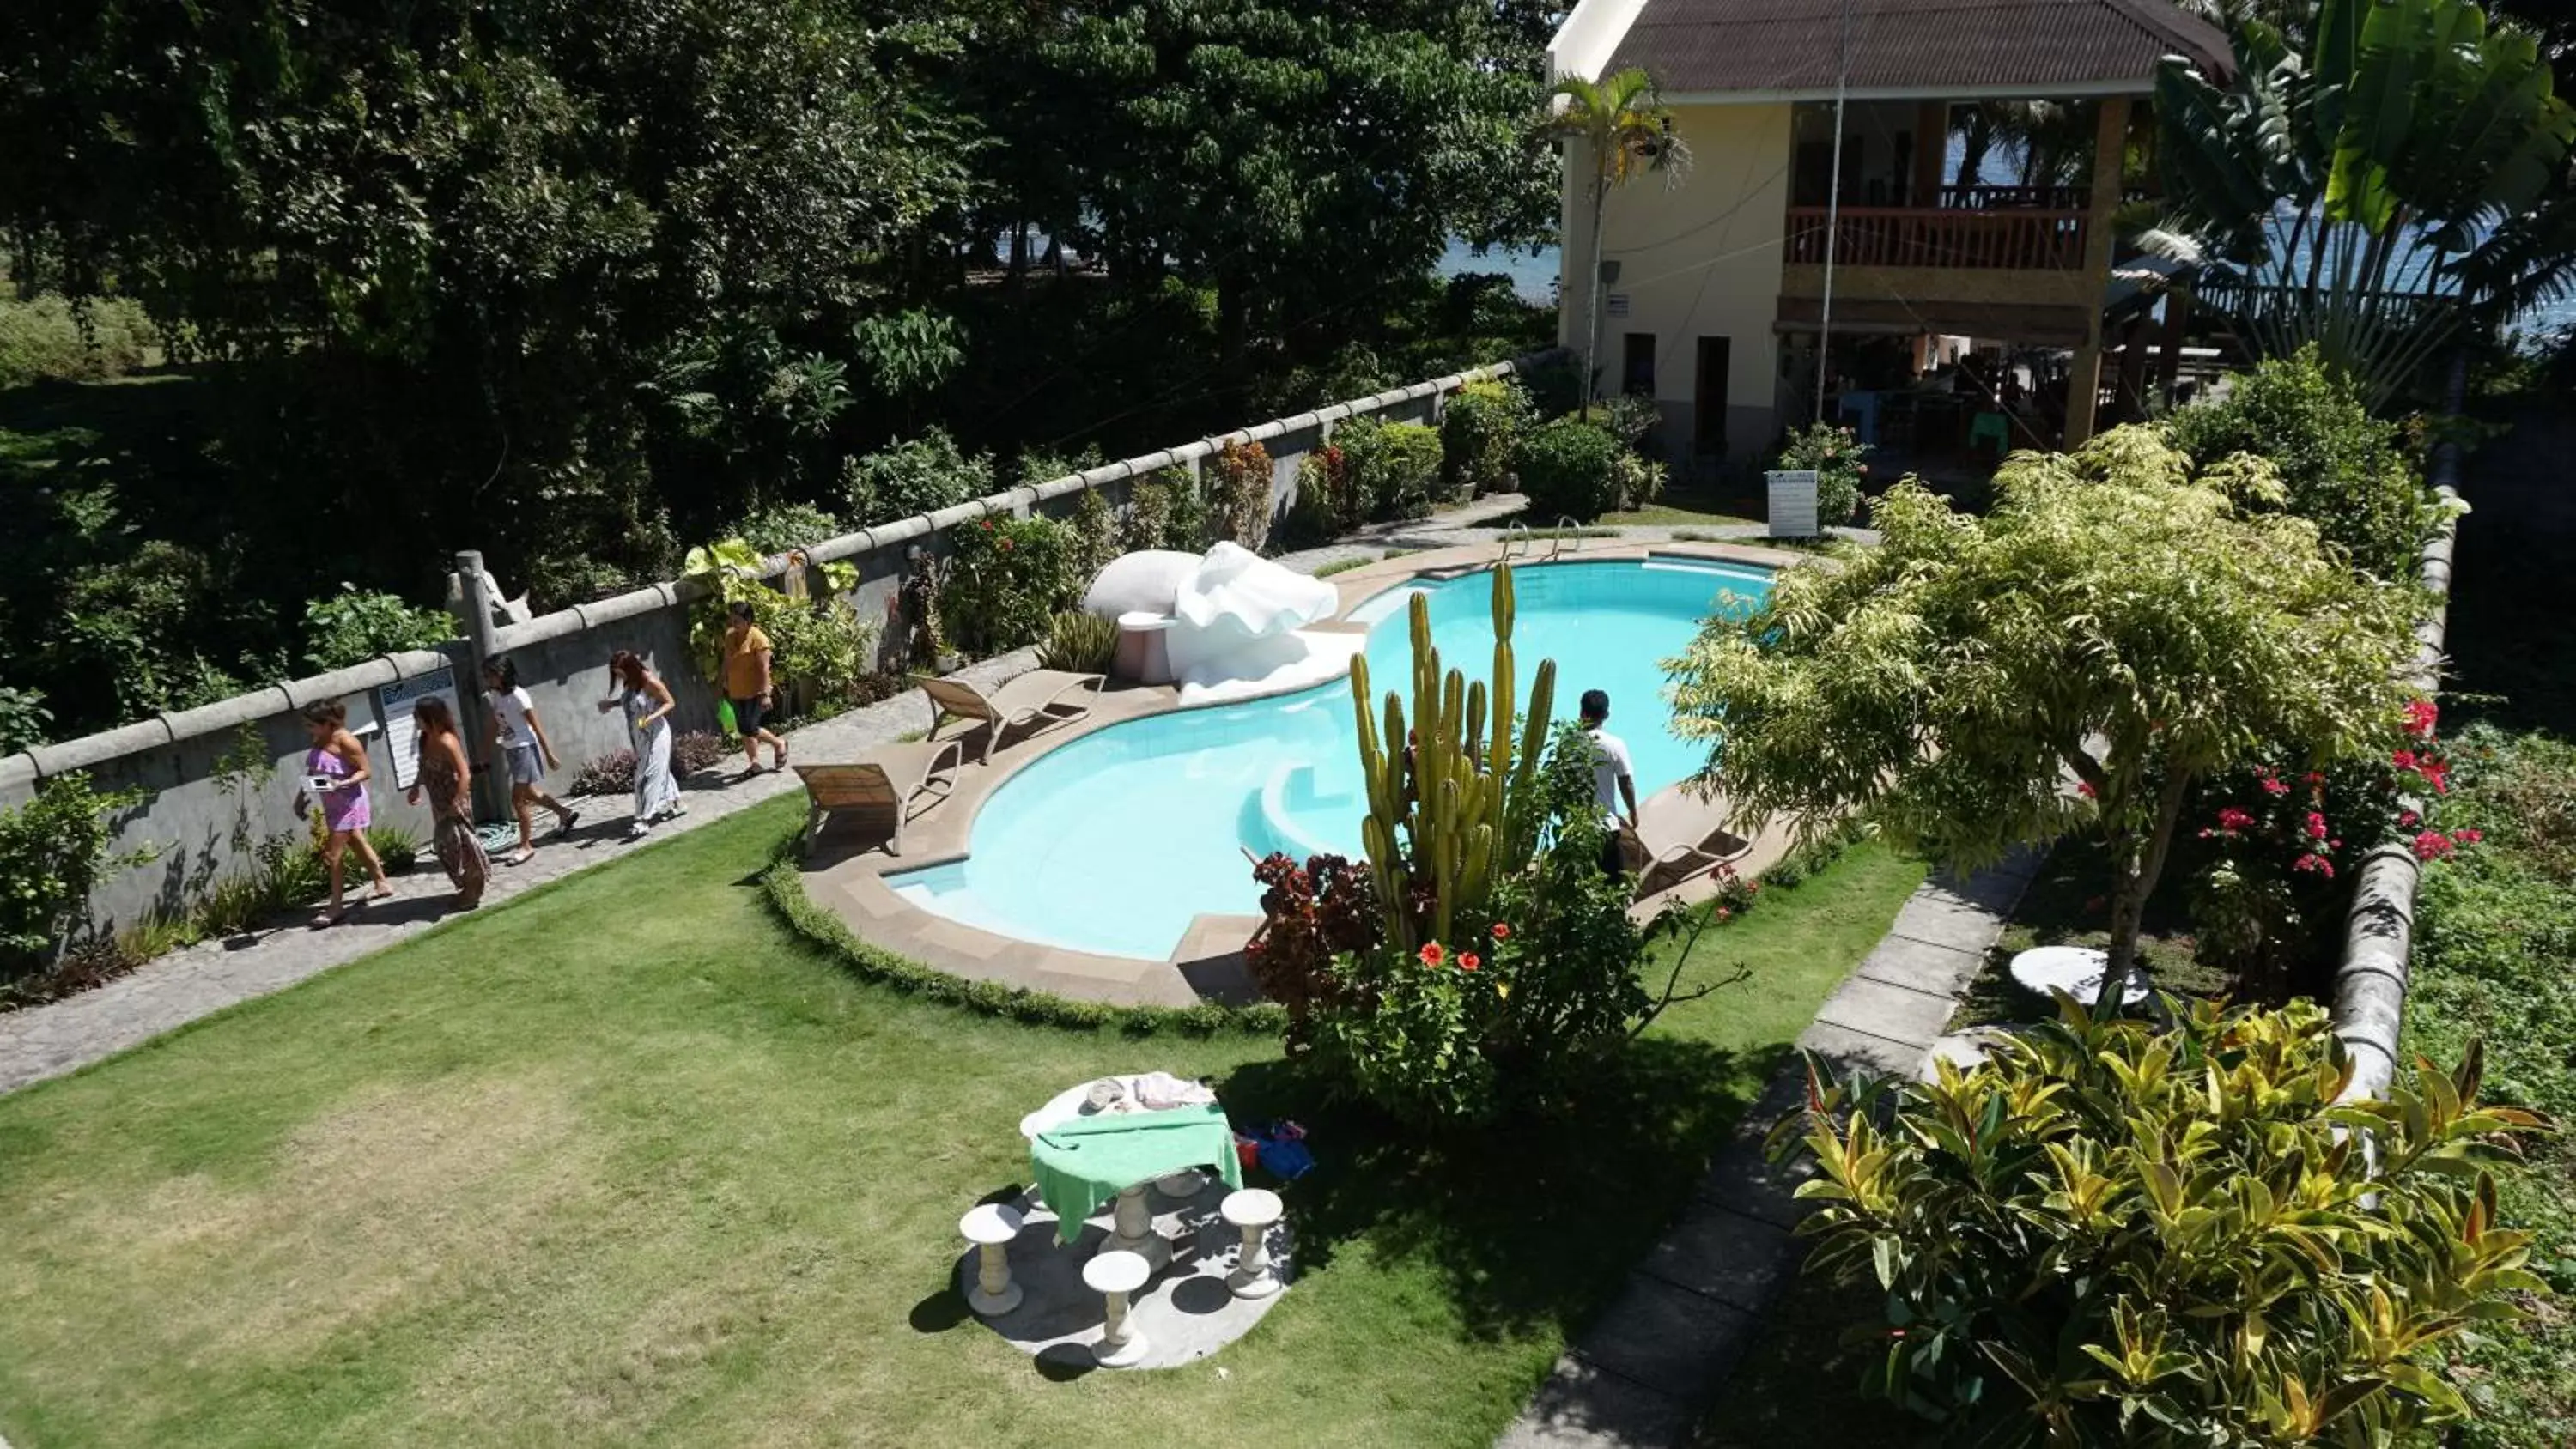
x=1963 y=317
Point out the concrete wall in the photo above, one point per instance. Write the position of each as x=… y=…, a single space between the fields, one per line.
x=203 y=825
x=1700 y=259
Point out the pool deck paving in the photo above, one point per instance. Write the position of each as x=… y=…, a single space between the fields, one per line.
x=1641 y=1376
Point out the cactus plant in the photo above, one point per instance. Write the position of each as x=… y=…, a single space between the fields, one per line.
x=1453 y=814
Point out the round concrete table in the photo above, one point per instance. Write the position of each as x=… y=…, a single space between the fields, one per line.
x=2075 y=970
x=1131 y=1217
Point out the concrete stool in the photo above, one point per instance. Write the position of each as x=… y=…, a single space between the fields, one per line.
x=1253 y=1210
x=1114 y=1276
x=991 y=1228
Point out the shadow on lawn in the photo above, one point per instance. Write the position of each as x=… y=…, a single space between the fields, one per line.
x=1529 y=1221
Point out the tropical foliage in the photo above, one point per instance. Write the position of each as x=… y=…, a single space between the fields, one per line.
x=1569 y=469
x=2341 y=468
x=352 y=626
x=2399 y=179
x=2114 y=1233
x=1477 y=431
x=1008 y=579
x=2113 y=631
x=1394 y=466
x=53 y=850
x=1838 y=456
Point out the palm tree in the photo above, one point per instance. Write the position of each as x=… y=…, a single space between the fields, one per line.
x=2402 y=179
x=1624 y=129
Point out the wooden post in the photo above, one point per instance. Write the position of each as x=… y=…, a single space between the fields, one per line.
x=2084 y=379
x=1931 y=145
x=2169 y=356
x=2130 y=396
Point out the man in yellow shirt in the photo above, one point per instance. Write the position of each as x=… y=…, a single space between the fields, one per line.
x=747 y=688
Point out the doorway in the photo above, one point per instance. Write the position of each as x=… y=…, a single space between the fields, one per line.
x=1708 y=399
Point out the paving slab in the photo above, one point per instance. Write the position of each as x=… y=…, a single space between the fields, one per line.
x=1582 y=1406
x=1669 y=1339
x=1943 y=970
x=1898 y=1013
x=1723 y=1254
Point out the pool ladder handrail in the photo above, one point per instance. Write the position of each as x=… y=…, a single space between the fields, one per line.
x=1565 y=530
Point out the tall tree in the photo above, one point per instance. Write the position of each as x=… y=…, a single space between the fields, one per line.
x=2112 y=619
x=1623 y=131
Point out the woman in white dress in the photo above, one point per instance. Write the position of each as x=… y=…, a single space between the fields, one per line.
x=647 y=702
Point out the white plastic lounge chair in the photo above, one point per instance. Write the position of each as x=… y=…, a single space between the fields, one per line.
x=884 y=786
x=1684 y=833
x=1035 y=700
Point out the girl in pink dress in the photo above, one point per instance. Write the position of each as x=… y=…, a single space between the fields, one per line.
x=335 y=777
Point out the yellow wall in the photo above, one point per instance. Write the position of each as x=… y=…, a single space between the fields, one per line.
x=1700 y=259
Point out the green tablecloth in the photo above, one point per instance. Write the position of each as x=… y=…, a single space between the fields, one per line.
x=1089 y=1160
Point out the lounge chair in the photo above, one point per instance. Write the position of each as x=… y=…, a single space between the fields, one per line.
x=884 y=786
x=1684 y=833
x=1035 y=699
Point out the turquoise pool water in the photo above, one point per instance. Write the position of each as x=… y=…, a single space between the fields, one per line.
x=1114 y=842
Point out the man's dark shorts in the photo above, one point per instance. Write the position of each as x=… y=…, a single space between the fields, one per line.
x=746 y=717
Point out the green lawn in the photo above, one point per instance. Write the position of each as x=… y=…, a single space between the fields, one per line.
x=1681 y=508
x=624 y=1161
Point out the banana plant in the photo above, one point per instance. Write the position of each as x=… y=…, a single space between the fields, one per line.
x=2402 y=180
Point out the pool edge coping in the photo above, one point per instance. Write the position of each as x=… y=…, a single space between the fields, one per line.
x=1206 y=964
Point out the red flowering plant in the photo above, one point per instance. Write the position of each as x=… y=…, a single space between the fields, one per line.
x=2279 y=847
x=1312 y=912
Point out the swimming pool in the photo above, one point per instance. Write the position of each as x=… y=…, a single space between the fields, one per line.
x=1114 y=842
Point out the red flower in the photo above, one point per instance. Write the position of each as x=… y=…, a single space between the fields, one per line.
x=2435 y=773
x=1431 y=953
x=1724 y=915
x=2085 y=789
x=1006 y=545
x=2316 y=826
x=2402 y=759
x=2315 y=864
x=2432 y=845
x=988 y=525
x=2407 y=817
x=2467 y=837
x=2231 y=818
x=2275 y=786
x=1502 y=932
x=1467 y=961
x=2420 y=715
x=2316 y=777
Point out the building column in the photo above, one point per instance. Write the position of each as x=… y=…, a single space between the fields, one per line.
x=1931 y=147
x=2084 y=379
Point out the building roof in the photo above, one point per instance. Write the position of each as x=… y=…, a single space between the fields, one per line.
x=1930 y=48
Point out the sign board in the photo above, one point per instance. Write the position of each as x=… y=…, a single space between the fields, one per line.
x=1793 y=503
x=402 y=735
x=1618 y=304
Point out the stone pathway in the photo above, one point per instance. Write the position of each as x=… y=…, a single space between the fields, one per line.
x=47 y=1041
x=1641 y=1375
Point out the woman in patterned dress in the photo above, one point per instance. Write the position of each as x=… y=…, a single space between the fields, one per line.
x=447 y=777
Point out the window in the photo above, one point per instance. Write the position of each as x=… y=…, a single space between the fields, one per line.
x=1639 y=373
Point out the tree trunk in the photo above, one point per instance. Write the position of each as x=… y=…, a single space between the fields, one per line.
x=2137 y=866
x=1592 y=293
x=1019 y=254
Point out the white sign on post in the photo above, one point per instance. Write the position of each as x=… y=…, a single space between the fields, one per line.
x=402 y=733
x=1793 y=503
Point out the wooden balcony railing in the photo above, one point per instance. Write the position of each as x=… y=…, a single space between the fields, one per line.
x=1904 y=236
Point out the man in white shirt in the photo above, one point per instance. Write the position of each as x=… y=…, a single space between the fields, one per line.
x=1614 y=777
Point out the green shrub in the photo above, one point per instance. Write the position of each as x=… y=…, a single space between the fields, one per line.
x=1164 y=510
x=1640 y=479
x=914 y=477
x=54 y=850
x=1095 y=533
x=1395 y=466
x=24 y=721
x=821 y=649
x=1477 y=430
x=1080 y=641
x=1316 y=514
x=1568 y=469
x=397 y=848
x=2113 y=1230
x=784 y=526
x=1837 y=454
x=1044 y=465
x=52 y=340
x=1007 y=580
x=351 y=627
x=1242 y=482
x=2345 y=470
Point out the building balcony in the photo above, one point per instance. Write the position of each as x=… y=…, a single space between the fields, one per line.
x=1988 y=234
